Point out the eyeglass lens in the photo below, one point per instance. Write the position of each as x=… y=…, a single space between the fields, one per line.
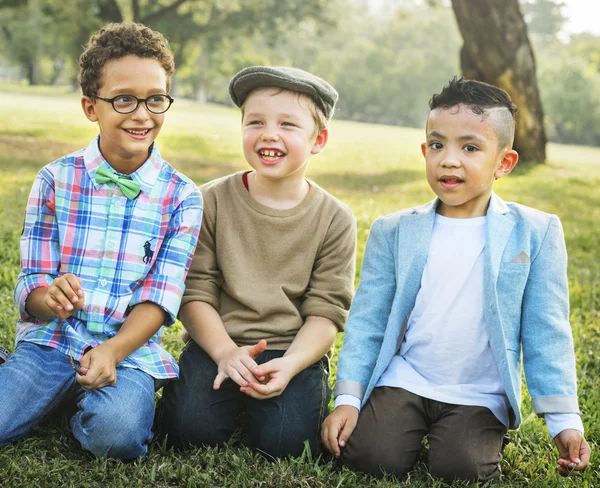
x=128 y=103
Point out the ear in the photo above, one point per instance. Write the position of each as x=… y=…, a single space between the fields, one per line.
x=424 y=149
x=320 y=142
x=89 y=108
x=507 y=163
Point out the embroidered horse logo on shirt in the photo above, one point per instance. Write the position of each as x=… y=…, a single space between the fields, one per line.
x=148 y=252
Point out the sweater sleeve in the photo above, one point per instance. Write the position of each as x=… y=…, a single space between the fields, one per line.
x=331 y=284
x=204 y=278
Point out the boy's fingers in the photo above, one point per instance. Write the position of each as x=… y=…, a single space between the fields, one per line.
x=257 y=349
x=252 y=393
x=574 y=452
x=58 y=296
x=262 y=389
x=249 y=363
x=332 y=440
x=75 y=286
x=219 y=380
x=347 y=430
x=585 y=453
x=65 y=287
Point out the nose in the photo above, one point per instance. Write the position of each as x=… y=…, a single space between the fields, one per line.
x=270 y=133
x=140 y=113
x=451 y=159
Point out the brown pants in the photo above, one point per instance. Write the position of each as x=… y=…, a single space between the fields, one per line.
x=464 y=442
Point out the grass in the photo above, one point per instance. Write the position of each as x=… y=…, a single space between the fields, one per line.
x=376 y=170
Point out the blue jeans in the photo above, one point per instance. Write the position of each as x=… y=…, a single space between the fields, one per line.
x=192 y=413
x=112 y=422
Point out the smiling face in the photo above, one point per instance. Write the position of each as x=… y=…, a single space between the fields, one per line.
x=279 y=134
x=126 y=138
x=463 y=159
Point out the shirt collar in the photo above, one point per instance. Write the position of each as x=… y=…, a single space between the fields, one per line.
x=146 y=175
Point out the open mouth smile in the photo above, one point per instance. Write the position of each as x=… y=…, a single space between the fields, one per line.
x=138 y=132
x=270 y=154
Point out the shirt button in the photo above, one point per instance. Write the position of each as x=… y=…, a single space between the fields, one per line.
x=103 y=282
x=111 y=244
x=118 y=204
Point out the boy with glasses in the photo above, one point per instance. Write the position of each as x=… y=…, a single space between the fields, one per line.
x=107 y=241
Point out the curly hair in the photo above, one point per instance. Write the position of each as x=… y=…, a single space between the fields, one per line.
x=116 y=41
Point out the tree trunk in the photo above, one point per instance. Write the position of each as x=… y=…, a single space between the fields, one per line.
x=497 y=50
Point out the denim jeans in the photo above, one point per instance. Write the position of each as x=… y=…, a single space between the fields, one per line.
x=192 y=413
x=112 y=422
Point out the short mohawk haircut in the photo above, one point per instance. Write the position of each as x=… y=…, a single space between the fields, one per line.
x=480 y=97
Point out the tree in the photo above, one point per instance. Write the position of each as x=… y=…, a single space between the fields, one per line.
x=544 y=18
x=497 y=50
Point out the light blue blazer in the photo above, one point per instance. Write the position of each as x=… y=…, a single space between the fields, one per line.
x=526 y=303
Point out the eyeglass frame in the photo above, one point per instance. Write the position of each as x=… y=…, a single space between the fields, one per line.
x=138 y=101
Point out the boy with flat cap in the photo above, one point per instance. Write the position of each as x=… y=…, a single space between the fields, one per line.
x=271 y=281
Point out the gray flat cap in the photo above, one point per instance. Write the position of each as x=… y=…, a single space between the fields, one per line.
x=294 y=79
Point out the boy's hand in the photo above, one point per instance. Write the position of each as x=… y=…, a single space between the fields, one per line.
x=273 y=377
x=99 y=366
x=574 y=452
x=238 y=363
x=338 y=427
x=65 y=296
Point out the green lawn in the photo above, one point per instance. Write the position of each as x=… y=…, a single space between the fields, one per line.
x=376 y=170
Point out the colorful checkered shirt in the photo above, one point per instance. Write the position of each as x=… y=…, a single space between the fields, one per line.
x=124 y=251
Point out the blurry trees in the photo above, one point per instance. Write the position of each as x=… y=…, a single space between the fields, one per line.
x=497 y=50
x=385 y=58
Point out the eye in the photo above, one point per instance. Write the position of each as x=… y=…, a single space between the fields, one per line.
x=288 y=124
x=436 y=145
x=157 y=99
x=124 y=99
x=471 y=148
x=254 y=122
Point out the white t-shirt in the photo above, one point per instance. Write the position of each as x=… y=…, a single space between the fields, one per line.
x=446 y=354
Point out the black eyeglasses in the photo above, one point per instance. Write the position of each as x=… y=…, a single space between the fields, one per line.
x=126 y=104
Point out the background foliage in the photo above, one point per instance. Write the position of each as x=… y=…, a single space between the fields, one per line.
x=385 y=58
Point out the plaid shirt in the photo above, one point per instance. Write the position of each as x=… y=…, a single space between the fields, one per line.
x=125 y=251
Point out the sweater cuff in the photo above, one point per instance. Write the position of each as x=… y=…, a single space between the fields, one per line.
x=348 y=387
x=555 y=404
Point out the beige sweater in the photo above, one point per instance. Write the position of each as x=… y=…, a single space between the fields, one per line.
x=265 y=270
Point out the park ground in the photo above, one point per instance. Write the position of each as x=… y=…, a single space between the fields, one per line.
x=376 y=170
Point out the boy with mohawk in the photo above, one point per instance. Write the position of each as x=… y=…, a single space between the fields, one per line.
x=451 y=293
x=108 y=237
x=271 y=282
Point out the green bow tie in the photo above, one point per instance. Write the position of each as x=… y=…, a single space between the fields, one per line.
x=130 y=188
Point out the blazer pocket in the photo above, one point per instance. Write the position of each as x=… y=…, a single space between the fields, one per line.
x=510 y=288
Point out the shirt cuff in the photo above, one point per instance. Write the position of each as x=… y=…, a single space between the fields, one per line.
x=557 y=422
x=25 y=285
x=346 y=399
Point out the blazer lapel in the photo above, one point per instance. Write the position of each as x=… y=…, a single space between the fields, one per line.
x=498 y=230
x=414 y=237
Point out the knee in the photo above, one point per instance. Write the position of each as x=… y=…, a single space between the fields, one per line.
x=182 y=428
x=463 y=467
x=115 y=437
x=368 y=459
